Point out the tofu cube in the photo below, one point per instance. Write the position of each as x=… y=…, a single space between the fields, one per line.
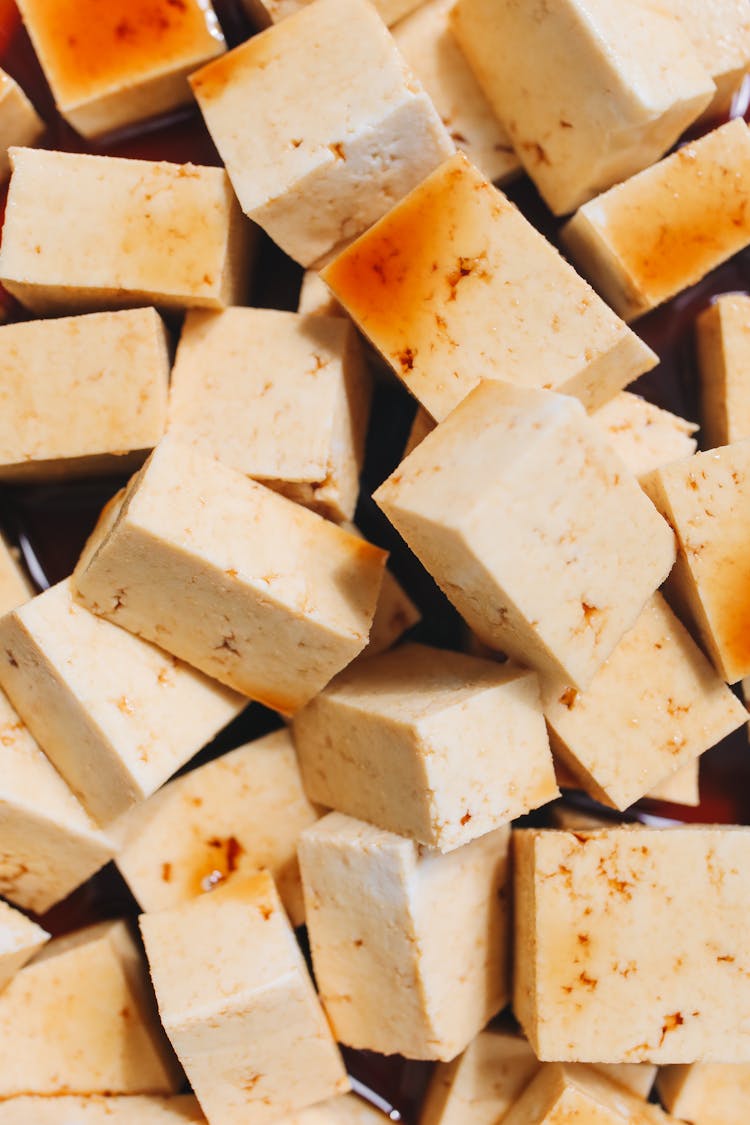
x=409 y=946
x=561 y=1094
x=206 y=564
x=708 y=1093
x=647 y=239
x=346 y=1110
x=20 y=939
x=655 y=705
x=422 y=425
x=681 y=787
x=101 y=1110
x=644 y=436
x=15 y=585
x=636 y=86
x=723 y=343
x=239 y=1006
x=454 y=285
x=315 y=298
x=481 y=1085
x=630 y=944
x=111 y=65
x=532 y=528
x=136 y=232
x=314 y=178
x=387 y=742
x=264 y=12
x=80 y=1019
x=395 y=614
x=115 y=715
x=282 y=398
x=82 y=394
x=20 y=124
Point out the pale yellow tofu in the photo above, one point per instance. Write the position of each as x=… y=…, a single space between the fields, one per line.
x=722 y=334
x=80 y=1019
x=135 y=232
x=115 y=715
x=654 y=706
x=20 y=939
x=409 y=946
x=422 y=425
x=647 y=239
x=81 y=395
x=706 y=500
x=410 y=741
x=644 y=436
x=238 y=1004
x=681 y=787
x=395 y=614
x=314 y=173
x=532 y=527
x=630 y=944
x=20 y=124
x=315 y=298
x=706 y=1093
x=99 y=1110
x=280 y=397
x=481 y=1085
x=346 y=1110
x=454 y=285
x=265 y=12
x=15 y=585
x=564 y=1095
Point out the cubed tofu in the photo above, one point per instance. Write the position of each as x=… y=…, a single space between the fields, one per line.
x=395 y=614
x=481 y=1085
x=15 y=585
x=20 y=939
x=532 y=527
x=115 y=715
x=681 y=787
x=644 y=436
x=387 y=742
x=706 y=1093
x=81 y=395
x=422 y=425
x=723 y=344
x=636 y=86
x=706 y=500
x=630 y=944
x=647 y=239
x=20 y=124
x=315 y=298
x=280 y=397
x=655 y=705
x=409 y=947
x=264 y=12
x=206 y=563
x=316 y=175
x=80 y=1019
x=126 y=1110
x=454 y=285
x=136 y=232
x=238 y=1004
x=566 y=1094
x=346 y=1110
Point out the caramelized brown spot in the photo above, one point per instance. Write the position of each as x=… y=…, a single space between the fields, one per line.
x=537 y=151
x=11 y=658
x=584 y=939
x=406 y=359
x=568 y=698
x=465 y=818
x=337 y=149
x=266 y=911
x=670 y=1023
x=587 y=981
x=166 y=872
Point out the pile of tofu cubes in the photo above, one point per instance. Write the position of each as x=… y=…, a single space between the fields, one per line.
x=601 y=566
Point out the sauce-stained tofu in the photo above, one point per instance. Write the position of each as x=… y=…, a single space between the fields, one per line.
x=15 y=586
x=280 y=397
x=723 y=345
x=706 y=1093
x=20 y=939
x=80 y=394
x=114 y=714
x=126 y=1110
x=532 y=527
x=264 y=12
x=647 y=239
x=136 y=232
x=642 y=435
x=564 y=1095
x=454 y=285
x=314 y=178
x=631 y=943
x=20 y=124
x=409 y=946
x=387 y=742
x=208 y=565
x=237 y=1002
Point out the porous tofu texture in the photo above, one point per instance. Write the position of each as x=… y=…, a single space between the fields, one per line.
x=532 y=527
x=453 y=285
x=316 y=175
x=282 y=398
x=238 y=1004
x=723 y=346
x=409 y=946
x=644 y=436
x=136 y=232
x=572 y=139
x=630 y=943
x=647 y=239
x=707 y=1093
x=208 y=565
x=20 y=939
x=127 y=1110
x=566 y=1094
x=387 y=742
x=20 y=124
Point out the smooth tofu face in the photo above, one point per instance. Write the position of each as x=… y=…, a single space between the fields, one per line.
x=680 y=788
x=19 y=122
x=723 y=344
x=20 y=939
x=482 y=1084
x=314 y=178
x=642 y=435
x=454 y=285
x=15 y=586
x=71 y=1110
x=282 y=398
x=136 y=232
x=564 y=1095
x=711 y=1093
x=630 y=943
x=114 y=64
x=647 y=239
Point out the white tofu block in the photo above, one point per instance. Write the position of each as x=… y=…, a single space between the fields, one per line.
x=315 y=175
x=315 y=298
x=136 y=232
x=20 y=939
x=570 y=1094
x=265 y=12
x=115 y=715
x=630 y=944
x=636 y=86
x=280 y=397
x=206 y=564
x=239 y=1006
x=655 y=705
x=644 y=436
x=126 y=1110
x=481 y=1085
x=706 y=1093
x=15 y=585
x=346 y=1110
x=454 y=285
x=80 y=1019
x=723 y=345
x=409 y=946
x=395 y=614
x=388 y=742
x=680 y=788
x=532 y=527
x=111 y=65
x=649 y=238
x=81 y=395
x=20 y=124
